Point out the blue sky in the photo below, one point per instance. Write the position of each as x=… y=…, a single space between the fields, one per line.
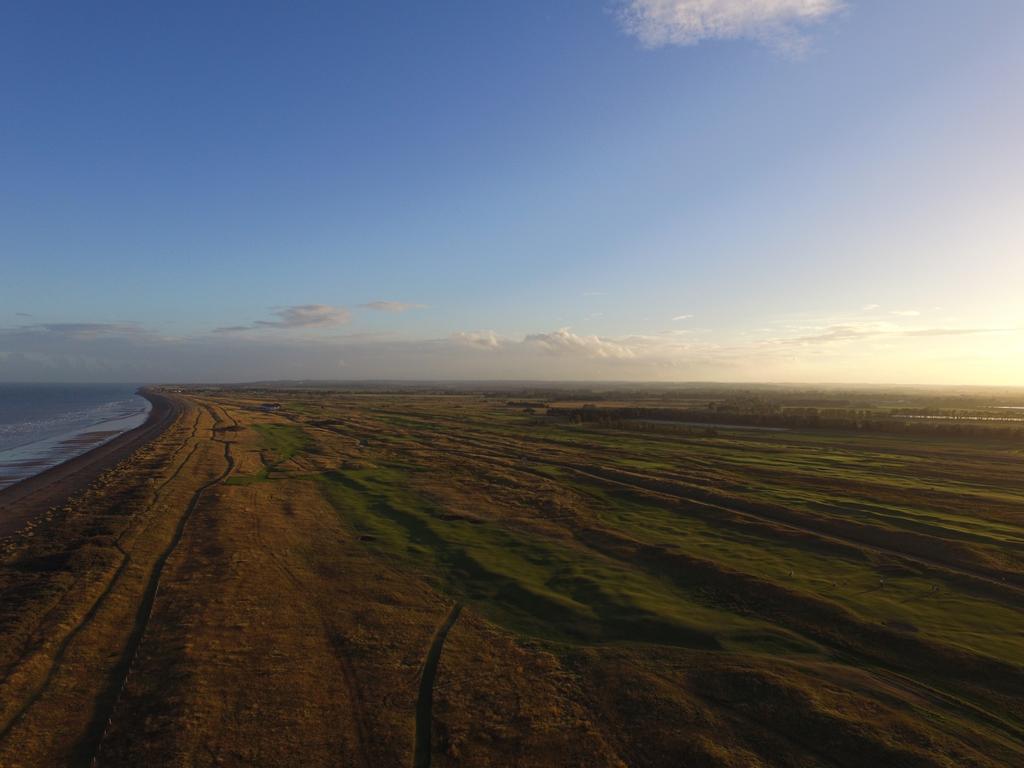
x=794 y=190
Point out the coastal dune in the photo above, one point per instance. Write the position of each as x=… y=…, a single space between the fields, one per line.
x=326 y=578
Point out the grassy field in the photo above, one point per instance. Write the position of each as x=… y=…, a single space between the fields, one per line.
x=560 y=593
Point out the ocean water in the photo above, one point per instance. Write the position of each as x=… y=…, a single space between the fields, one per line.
x=42 y=425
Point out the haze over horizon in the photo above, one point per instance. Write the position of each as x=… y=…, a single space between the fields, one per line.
x=633 y=190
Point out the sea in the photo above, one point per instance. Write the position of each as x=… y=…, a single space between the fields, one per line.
x=42 y=425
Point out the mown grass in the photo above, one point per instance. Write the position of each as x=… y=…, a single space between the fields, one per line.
x=559 y=588
x=283 y=442
x=934 y=607
x=552 y=589
x=878 y=552
x=893 y=483
x=940 y=495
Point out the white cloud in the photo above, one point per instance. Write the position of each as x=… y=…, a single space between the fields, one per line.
x=390 y=306
x=817 y=349
x=678 y=318
x=777 y=23
x=481 y=339
x=906 y=312
x=871 y=307
x=564 y=341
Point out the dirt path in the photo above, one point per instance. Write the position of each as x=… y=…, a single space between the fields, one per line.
x=44 y=620
x=104 y=700
x=423 y=754
x=63 y=480
x=87 y=751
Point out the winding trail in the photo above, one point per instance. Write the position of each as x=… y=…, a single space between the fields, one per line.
x=423 y=753
x=173 y=413
x=87 y=750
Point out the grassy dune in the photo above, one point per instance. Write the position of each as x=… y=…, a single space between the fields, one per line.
x=731 y=598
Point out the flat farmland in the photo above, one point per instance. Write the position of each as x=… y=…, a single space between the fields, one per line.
x=378 y=579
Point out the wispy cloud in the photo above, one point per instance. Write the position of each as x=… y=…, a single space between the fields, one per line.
x=679 y=318
x=871 y=307
x=827 y=348
x=299 y=316
x=391 y=306
x=905 y=312
x=955 y=331
x=831 y=334
x=82 y=330
x=851 y=332
x=233 y=328
x=308 y=316
x=776 y=23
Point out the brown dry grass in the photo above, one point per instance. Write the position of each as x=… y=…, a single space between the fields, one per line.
x=261 y=589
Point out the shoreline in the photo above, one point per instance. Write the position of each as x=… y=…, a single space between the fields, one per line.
x=28 y=459
x=26 y=499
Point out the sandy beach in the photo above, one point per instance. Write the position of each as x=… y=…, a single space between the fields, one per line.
x=25 y=500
